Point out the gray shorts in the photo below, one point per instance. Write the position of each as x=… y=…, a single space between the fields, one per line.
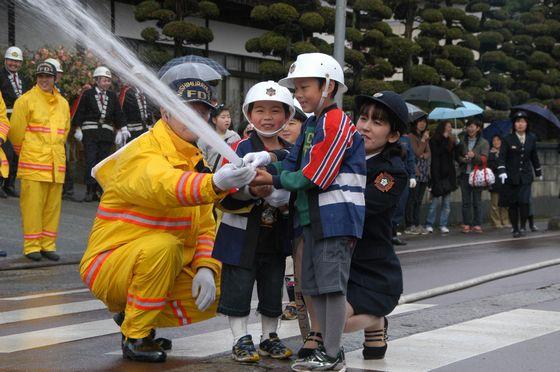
x=325 y=265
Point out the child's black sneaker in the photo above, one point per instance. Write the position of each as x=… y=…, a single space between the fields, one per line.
x=274 y=348
x=244 y=350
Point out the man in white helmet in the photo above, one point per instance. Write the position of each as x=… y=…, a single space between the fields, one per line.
x=13 y=85
x=99 y=122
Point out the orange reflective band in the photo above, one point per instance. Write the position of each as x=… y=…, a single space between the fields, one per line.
x=38 y=129
x=60 y=131
x=5 y=162
x=180 y=312
x=193 y=183
x=50 y=234
x=32 y=236
x=4 y=128
x=35 y=166
x=146 y=303
x=62 y=168
x=133 y=217
x=94 y=268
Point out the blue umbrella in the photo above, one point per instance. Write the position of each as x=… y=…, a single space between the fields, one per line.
x=196 y=59
x=539 y=112
x=468 y=109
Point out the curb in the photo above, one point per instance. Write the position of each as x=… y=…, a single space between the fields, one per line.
x=22 y=263
x=433 y=292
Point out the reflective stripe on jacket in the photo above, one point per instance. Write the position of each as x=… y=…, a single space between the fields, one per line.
x=4 y=128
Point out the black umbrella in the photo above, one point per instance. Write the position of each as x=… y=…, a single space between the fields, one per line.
x=415 y=112
x=542 y=121
x=538 y=111
x=431 y=96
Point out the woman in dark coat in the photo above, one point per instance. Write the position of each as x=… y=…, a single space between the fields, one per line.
x=443 y=146
x=518 y=159
x=498 y=215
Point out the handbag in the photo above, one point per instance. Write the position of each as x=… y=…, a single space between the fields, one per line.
x=482 y=176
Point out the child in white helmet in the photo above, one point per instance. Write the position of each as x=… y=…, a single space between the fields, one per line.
x=327 y=171
x=250 y=242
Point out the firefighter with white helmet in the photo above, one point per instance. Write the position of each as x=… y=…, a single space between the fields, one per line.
x=59 y=72
x=99 y=122
x=12 y=85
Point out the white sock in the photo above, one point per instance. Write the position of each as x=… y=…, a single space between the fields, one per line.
x=269 y=325
x=238 y=325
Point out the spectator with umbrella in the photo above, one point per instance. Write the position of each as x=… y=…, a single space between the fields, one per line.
x=443 y=147
x=473 y=152
x=518 y=158
x=419 y=137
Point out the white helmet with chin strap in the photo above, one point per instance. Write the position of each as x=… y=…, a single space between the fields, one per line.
x=319 y=65
x=102 y=71
x=268 y=91
x=14 y=53
x=55 y=63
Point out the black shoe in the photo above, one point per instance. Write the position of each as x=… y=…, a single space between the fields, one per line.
x=49 y=255
x=34 y=256
x=517 y=234
x=11 y=191
x=375 y=352
x=89 y=197
x=3 y=254
x=305 y=352
x=3 y=194
x=320 y=361
x=71 y=197
x=397 y=241
x=164 y=343
x=534 y=228
x=143 y=350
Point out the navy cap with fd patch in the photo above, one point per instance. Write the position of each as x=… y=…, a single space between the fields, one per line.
x=193 y=90
x=45 y=68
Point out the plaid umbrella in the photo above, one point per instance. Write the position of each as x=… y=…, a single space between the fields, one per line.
x=196 y=59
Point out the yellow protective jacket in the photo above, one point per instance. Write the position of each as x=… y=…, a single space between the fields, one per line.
x=4 y=128
x=151 y=186
x=38 y=129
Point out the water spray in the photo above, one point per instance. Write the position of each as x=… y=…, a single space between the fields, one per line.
x=85 y=28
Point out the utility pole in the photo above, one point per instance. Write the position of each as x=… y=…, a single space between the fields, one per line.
x=339 y=37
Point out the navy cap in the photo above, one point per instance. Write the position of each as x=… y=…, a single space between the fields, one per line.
x=519 y=114
x=46 y=68
x=395 y=105
x=193 y=90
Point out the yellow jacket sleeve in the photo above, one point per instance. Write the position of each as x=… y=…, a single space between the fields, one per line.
x=18 y=123
x=149 y=180
x=205 y=241
x=4 y=122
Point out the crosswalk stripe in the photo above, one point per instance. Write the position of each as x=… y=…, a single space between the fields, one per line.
x=441 y=347
x=39 y=312
x=206 y=344
x=41 y=295
x=53 y=336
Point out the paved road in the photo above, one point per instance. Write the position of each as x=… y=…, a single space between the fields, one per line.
x=510 y=324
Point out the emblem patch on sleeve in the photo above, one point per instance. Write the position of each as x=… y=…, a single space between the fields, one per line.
x=384 y=182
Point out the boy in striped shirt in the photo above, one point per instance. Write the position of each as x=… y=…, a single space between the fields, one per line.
x=326 y=171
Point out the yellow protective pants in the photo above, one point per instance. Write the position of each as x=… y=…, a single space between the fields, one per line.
x=40 y=204
x=148 y=279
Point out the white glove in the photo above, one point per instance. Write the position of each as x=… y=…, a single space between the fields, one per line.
x=412 y=183
x=503 y=177
x=122 y=135
x=257 y=159
x=125 y=133
x=278 y=198
x=541 y=177
x=204 y=288
x=78 y=135
x=229 y=177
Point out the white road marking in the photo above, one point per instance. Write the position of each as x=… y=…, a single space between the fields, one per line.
x=440 y=347
x=58 y=335
x=206 y=344
x=39 y=312
x=41 y=295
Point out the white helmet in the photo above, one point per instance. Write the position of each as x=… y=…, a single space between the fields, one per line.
x=14 y=53
x=315 y=65
x=55 y=63
x=269 y=91
x=102 y=71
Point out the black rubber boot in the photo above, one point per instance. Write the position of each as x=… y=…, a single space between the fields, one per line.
x=143 y=350
x=164 y=343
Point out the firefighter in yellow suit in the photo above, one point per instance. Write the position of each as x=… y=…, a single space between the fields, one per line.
x=38 y=129
x=150 y=250
x=4 y=164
